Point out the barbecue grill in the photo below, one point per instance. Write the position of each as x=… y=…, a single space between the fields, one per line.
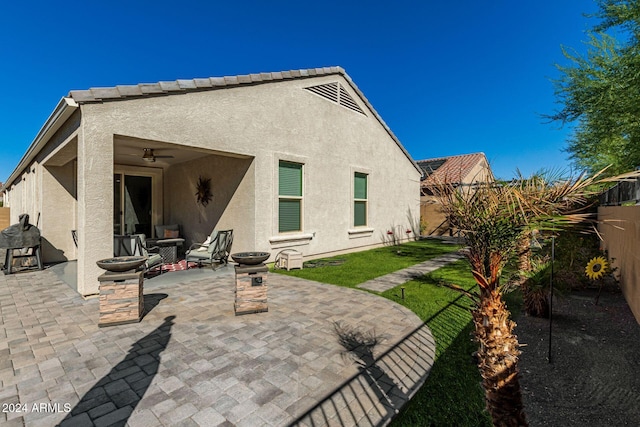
x=24 y=237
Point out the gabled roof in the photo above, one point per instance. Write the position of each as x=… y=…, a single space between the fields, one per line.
x=70 y=103
x=102 y=94
x=452 y=169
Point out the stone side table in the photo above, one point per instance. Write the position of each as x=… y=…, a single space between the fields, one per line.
x=121 y=298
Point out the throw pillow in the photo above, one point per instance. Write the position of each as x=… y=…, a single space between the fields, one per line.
x=205 y=245
x=171 y=234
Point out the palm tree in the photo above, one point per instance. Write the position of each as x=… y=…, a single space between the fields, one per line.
x=494 y=217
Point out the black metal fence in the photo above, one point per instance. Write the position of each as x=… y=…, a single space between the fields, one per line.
x=624 y=192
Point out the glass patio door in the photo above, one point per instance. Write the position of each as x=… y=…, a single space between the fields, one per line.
x=132 y=204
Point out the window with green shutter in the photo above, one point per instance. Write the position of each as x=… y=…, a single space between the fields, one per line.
x=289 y=196
x=360 y=199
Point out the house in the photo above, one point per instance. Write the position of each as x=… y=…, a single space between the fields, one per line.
x=296 y=159
x=461 y=171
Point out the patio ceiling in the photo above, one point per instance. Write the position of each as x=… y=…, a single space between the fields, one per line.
x=129 y=151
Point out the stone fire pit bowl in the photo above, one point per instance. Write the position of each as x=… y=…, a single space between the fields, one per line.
x=121 y=263
x=250 y=258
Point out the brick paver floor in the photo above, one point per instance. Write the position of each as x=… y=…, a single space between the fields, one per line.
x=321 y=355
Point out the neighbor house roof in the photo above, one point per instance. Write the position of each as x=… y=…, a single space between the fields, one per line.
x=452 y=169
x=70 y=103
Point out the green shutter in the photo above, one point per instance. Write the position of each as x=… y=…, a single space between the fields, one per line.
x=289 y=215
x=359 y=213
x=290 y=179
x=360 y=186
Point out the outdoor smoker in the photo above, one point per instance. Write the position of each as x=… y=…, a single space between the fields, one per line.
x=24 y=237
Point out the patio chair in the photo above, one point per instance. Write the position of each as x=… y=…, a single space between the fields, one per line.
x=135 y=245
x=216 y=248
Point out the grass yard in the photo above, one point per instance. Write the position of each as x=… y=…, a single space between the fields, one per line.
x=358 y=267
x=452 y=394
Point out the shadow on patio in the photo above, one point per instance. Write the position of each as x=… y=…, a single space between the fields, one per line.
x=374 y=395
x=117 y=394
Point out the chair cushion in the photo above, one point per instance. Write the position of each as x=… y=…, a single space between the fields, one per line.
x=197 y=254
x=154 y=259
x=205 y=245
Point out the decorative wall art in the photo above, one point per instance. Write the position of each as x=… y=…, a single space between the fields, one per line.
x=203 y=191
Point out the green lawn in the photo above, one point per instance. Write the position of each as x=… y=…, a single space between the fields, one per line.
x=452 y=394
x=358 y=267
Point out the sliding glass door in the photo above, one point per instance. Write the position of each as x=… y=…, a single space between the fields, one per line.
x=135 y=206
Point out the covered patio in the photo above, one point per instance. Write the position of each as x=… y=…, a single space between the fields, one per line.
x=321 y=355
x=153 y=184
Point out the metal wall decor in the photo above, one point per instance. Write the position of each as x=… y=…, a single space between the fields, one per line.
x=203 y=191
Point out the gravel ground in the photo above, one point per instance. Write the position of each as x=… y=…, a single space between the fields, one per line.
x=594 y=375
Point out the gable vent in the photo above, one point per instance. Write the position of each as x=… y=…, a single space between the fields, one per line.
x=335 y=92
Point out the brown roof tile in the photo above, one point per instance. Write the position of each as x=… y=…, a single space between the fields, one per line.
x=453 y=169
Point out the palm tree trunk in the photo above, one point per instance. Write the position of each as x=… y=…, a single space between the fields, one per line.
x=498 y=360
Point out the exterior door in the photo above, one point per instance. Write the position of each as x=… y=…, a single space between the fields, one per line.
x=133 y=204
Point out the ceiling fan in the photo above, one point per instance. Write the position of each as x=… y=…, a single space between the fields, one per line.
x=149 y=156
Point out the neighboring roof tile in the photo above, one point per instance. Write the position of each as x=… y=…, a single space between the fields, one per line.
x=453 y=169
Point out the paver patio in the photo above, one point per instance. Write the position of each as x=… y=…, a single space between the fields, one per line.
x=191 y=361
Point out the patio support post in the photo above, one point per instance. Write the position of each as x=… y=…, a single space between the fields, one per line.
x=95 y=204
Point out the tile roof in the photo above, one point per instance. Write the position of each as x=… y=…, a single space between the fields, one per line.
x=100 y=94
x=452 y=169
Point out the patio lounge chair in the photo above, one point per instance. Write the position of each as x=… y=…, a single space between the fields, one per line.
x=135 y=245
x=215 y=249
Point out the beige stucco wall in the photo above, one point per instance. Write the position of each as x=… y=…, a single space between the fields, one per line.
x=620 y=230
x=433 y=217
x=252 y=127
x=59 y=212
x=270 y=122
x=232 y=206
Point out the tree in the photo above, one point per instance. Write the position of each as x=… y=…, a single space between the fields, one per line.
x=493 y=218
x=600 y=92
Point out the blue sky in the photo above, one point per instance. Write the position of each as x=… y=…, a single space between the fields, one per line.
x=447 y=77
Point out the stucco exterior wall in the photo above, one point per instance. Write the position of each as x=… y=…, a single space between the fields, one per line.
x=22 y=196
x=433 y=217
x=232 y=206
x=620 y=230
x=70 y=182
x=276 y=121
x=95 y=202
x=59 y=212
x=46 y=192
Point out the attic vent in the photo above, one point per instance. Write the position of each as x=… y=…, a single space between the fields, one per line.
x=335 y=92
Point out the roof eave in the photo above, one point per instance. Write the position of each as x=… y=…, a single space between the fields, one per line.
x=65 y=108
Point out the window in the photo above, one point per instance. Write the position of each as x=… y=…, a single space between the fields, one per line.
x=359 y=199
x=289 y=197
